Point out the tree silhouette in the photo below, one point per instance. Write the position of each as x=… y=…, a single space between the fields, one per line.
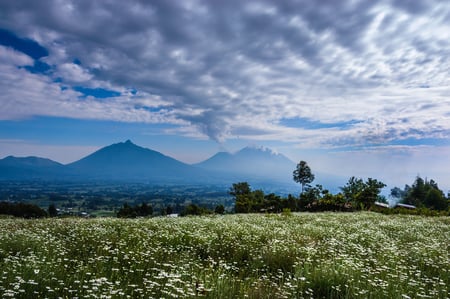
x=52 y=211
x=303 y=175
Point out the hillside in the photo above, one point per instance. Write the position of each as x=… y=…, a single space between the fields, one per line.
x=258 y=163
x=29 y=168
x=321 y=255
x=127 y=161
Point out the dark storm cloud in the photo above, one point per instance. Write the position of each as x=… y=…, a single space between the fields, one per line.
x=224 y=65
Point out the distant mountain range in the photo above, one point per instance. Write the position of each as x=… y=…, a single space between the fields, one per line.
x=129 y=162
x=255 y=162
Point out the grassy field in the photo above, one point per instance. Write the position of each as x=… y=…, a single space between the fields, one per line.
x=324 y=255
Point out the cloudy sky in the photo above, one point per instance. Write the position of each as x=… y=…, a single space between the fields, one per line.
x=353 y=87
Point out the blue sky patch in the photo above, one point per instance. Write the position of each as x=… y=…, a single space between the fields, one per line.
x=314 y=125
x=39 y=67
x=99 y=93
x=24 y=45
x=54 y=130
x=421 y=141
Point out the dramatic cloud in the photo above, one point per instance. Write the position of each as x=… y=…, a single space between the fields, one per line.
x=318 y=73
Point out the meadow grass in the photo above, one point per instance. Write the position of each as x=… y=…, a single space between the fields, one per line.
x=322 y=255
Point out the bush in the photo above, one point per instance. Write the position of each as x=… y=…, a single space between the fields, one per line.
x=220 y=209
x=193 y=209
x=128 y=211
x=23 y=210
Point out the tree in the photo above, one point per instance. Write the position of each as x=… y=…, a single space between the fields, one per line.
x=242 y=196
x=193 y=209
x=52 y=211
x=424 y=193
x=128 y=211
x=418 y=192
x=362 y=194
x=144 y=210
x=220 y=209
x=435 y=199
x=241 y=188
x=309 y=196
x=273 y=203
x=303 y=175
x=21 y=209
x=370 y=193
x=169 y=210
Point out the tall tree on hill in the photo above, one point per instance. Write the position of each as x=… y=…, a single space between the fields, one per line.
x=303 y=175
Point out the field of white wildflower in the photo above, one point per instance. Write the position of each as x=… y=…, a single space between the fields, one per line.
x=323 y=255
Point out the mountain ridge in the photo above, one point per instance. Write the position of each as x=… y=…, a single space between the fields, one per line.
x=30 y=167
x=126 y=161
x=130 y=162
x=258 y=162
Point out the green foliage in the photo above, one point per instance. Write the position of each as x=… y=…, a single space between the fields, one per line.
x=309 y=196
x=320 y=255
x=193 y=209
x=241 y=188
x=286 y=212
x=168 y=210
x=421 y=211
x=128 y=211
x=220 y=209
x=52 y=211
x=23 y=210
x=357 y=194
x=434 y=199
x=314 y=199
x=422 y=193
x=362 y=195
x=303 y=175
x=248 y=201
x=317 y=199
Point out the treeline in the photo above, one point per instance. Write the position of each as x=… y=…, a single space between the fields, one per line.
x=422 y=194
x=128 y=211
x=145 y=210
x=357 y=194
x=29 y=211
x=23 y=210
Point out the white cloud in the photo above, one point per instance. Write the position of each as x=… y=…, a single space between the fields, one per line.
x=71 y=72
x=224 y=70
x=25 y=95
x=10 y=56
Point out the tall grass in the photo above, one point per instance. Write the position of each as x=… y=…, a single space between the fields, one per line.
x=324 y=255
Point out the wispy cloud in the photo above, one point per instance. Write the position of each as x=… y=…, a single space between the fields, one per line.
x=233 y=69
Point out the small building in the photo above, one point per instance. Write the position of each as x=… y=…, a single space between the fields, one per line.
x=382 y=205
x=405 y=206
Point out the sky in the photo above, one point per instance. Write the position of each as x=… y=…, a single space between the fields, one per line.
x=353 y=87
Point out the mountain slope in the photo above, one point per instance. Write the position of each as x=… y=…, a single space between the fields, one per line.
x=29 y=168
x=260 y=163
x=127 y=161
